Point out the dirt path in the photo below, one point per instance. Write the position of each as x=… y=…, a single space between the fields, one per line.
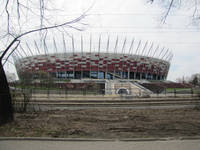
x=105 y=123
x=101 y=145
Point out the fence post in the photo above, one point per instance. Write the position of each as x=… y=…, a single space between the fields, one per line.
x=174 y=92
x=48 y=92
x=103 y=91
x=84 y=92
x=65 y=92
x=192 y=92
x=157 y=92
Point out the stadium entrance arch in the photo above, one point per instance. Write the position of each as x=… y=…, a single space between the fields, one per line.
x=122 y=91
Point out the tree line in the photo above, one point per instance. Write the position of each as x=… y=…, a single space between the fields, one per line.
x=194 y=79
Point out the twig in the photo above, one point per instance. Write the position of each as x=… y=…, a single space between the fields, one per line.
x=168 y=10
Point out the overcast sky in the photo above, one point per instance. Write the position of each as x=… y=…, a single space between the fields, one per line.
x=142 y=21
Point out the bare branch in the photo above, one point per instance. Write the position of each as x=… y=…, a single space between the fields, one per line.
x=12 y=52
x=192 y=7
x=18 y=12
x=41 y=12
x=65 y=24
x=9 y=46
x=56 y=26
x=168 y=10
x=8 y=16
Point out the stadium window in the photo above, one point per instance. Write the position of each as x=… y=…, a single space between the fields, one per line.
x=118 y=73
x=143 y=76
x=154 y=77
x=86 y=74
x=70 y=74
x=109 y=76
x=58 y=74
x=61 y=75
x=100 y=75
x=131 y=75
x=124 y=75
x=158 y=78
x=77 y=74
x=149 y=76
x=162 y=77
x=94 y=74
x=137 y=75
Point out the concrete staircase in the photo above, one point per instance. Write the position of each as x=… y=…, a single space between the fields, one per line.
x=112 y=87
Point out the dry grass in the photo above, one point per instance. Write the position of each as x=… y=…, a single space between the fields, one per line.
x=105 y=123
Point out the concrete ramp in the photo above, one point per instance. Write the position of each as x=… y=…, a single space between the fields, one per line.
x=122 y=87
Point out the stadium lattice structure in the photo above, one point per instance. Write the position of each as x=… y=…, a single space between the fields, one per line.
x=134 y=61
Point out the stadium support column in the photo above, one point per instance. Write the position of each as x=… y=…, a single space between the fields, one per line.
x=65 y=54
x=81 y=57
x=90 y=55
x=73 y=56
x=115 y=53
x=106 y=73
x=123 y=59
x=107 y=56
x=98 y=56
x=128 y=73
x=130 y=49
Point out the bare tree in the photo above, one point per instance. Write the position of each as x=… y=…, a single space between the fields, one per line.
x=195 y=79
x=169 y=6
x=18 y=19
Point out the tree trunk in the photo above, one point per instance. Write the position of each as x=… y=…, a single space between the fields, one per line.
x=6 y=109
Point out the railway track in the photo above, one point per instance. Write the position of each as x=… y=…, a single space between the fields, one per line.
x=194 y=101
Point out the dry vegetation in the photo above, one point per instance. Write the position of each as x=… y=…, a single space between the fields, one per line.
x=105 y=123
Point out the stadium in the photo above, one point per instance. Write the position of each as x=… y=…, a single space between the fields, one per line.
x=96 y=66
x=145 y=62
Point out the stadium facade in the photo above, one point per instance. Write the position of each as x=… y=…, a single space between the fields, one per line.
x=142 y=61
x=96 y=66
x=106 y=65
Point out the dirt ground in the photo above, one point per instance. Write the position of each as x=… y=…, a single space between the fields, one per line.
x=105 y=123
